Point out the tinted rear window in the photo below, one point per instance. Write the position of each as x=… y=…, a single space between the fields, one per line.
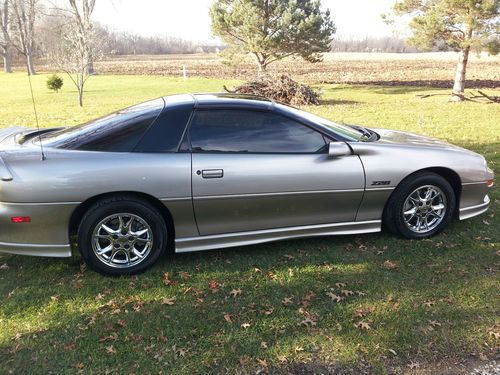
x=118 y=132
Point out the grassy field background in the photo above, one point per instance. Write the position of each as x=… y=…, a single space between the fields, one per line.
x=407 y=306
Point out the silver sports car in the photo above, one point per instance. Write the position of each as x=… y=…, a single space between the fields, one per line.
x=198 y=172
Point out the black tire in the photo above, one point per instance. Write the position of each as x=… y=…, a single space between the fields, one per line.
x=144 y=214
x=394 y=219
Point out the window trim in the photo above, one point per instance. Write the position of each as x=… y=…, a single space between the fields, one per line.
x=187 y=135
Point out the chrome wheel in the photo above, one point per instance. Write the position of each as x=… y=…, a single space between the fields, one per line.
x=424 y=209
x=122 y=240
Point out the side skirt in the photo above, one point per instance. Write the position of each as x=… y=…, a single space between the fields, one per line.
x=183 y=245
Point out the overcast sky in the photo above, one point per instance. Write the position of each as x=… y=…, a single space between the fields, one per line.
x=189 y=18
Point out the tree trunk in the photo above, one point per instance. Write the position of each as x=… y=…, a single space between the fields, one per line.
x=7 y=62
x=80 y=96
x=89 y=69
x=29 y=64
x=459 y=84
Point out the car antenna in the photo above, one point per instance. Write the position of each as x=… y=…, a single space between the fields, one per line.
x=36 y=118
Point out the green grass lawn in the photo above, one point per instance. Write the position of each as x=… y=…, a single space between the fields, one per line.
x=416 y=305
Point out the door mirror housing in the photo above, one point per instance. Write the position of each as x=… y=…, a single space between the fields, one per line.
x=337 y=149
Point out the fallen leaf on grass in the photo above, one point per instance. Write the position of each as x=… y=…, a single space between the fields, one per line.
x=347 y=293
x=213 y=285
x=78 y=365
x=70 y=346
x=282 y=359
x=235 y=292
x=167 y=281
x=263 y=345
x=413 y=365
x=184 y=275
x=363 y=325
x=111 y=349
x=271 y=275
x=362 y=312
x=308 y=322
x=227 y=318
x=334 y=297
x=390 y=265
x=340 y=285
x=4 y=266
x=112 y=337
x=307 y=299
x=168 y=301
x=243 y=360
x=428 y=304
x=434 y=323
x=262 y=362
x=494 y=334
x=287 y=301
x=245 y=325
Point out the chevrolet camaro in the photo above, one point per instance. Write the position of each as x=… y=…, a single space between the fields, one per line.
x=206 y=171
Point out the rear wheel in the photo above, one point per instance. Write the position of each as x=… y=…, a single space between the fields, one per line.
x=421 y=206
x=122 y=236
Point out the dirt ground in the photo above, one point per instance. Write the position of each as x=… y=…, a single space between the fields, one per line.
x=418 y=69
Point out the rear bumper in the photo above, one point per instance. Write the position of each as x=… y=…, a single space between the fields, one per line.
x=468 y=212
x=56 y=251
x=46 y=235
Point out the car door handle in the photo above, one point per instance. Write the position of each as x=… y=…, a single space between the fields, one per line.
x=212 y=173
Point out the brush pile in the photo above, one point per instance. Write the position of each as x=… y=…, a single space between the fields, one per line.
x=281 y=89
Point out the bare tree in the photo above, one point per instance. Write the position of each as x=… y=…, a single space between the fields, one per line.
x=5 y=43
x=82 y=12
x=23 y=36
x=70 y=54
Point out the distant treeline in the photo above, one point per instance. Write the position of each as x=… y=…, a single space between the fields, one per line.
x=384 y=44
x=123 y=43
x=120 y=43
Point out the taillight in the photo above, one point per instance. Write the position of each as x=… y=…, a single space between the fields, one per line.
x=20 y=219
x=490 y=183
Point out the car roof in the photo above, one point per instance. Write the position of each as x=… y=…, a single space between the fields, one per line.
x=221 y=100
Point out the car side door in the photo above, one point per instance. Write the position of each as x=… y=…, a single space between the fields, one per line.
x=255 y=170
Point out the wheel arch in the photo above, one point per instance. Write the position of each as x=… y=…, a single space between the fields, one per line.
x=448 y=174
x=79 y=212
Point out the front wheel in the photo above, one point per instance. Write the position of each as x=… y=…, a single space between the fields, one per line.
x=421 y=206
x=122 y=236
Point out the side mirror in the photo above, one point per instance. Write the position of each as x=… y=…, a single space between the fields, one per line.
x=337 y=149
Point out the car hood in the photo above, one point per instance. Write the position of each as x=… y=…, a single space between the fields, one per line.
x=413 y=140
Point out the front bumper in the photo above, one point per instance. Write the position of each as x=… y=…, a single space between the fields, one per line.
x=468 y=212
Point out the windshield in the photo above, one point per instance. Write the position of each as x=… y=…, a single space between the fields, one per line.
x=123 y=123
x=345 y=131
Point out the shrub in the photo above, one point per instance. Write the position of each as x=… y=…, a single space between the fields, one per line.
x=282 y=89
x=54 y=82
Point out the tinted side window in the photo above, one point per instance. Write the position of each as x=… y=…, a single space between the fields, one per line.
x=253 y=132
x=165 y=134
